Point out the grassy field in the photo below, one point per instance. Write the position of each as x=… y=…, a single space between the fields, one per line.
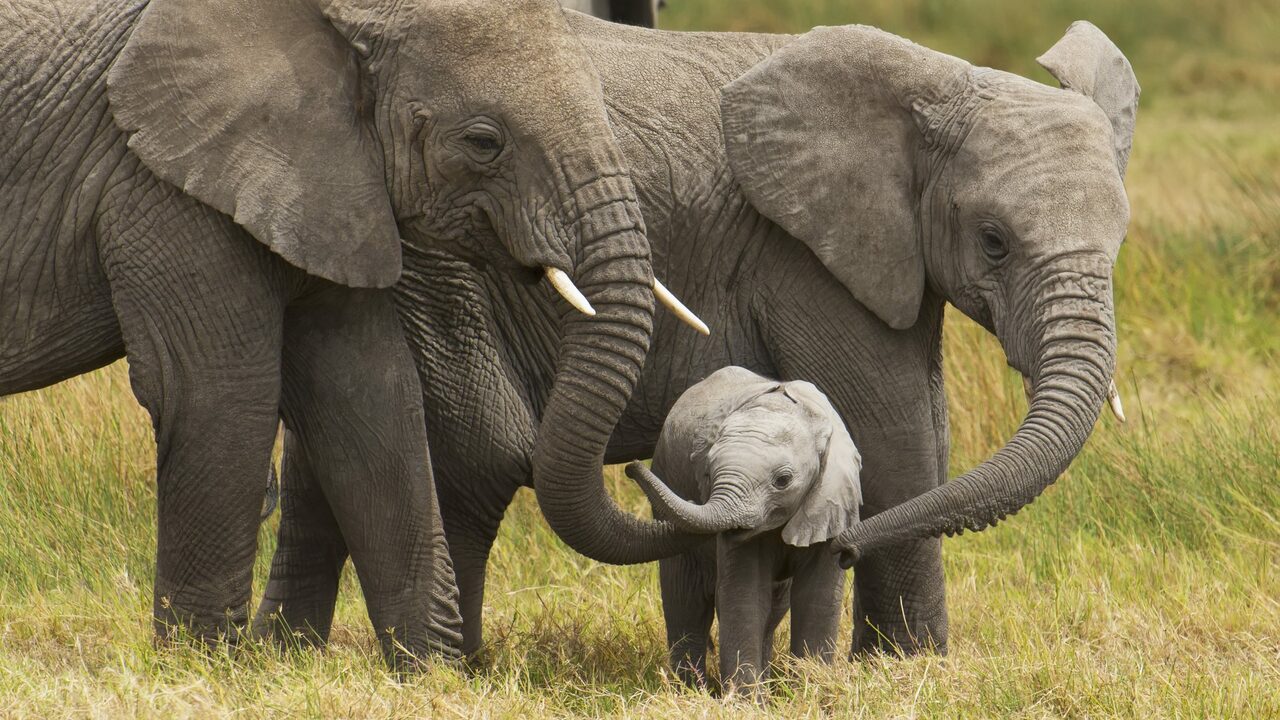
x=1145 y=584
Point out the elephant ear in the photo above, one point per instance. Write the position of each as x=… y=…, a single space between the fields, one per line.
x=823 y=137
x=634 y=12
x=831 y=506
x=258 y=110
x=1086 y=61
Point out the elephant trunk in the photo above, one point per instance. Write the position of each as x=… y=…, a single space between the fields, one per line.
x=1073 y=370
x=720 y=513
x=600 y=361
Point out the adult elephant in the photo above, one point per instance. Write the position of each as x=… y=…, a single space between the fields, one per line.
x=818 y=213
x=218 y=188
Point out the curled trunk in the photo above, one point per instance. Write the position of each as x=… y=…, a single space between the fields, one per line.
x=1073 y=373
x=720 y=513
x=599 y=366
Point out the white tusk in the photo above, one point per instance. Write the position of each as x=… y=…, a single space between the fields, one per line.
x=1113 y=399
x=563 y=285
x=1026 y=388
x=674 y=305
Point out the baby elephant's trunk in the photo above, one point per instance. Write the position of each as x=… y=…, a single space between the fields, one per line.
x=721 y=513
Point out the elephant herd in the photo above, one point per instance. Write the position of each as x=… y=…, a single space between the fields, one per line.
x=428 y=236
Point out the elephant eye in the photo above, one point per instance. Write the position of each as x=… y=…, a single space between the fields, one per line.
x=782 y=479
x=993 y=244
x=483 y=141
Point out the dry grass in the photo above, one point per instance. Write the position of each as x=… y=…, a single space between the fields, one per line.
x=1145 y=584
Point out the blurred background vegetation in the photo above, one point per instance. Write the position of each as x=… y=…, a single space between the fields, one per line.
x=1146 y=583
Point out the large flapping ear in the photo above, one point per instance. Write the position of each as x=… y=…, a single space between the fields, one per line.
x=831 y=506
x=1086 y=61
x=823 y=137
x=257 y=109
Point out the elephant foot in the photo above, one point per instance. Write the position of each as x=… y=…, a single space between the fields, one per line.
x=178 y=620
x=899 y=639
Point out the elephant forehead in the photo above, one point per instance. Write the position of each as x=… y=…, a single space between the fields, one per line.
x=521 y=57
x=767 y=421
x=1047 y=128
x=1047 y=168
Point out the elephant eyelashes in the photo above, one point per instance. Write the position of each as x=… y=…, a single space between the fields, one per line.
x=782 y=479
x=993 y=244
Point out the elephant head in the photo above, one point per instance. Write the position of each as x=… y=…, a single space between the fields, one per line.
x=332 y=130
x=904 y=169
x=772 y=455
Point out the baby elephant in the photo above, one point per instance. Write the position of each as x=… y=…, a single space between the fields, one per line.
x=770 y=468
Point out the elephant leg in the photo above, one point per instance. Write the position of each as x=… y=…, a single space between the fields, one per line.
x=817 y=591
x=779 y=606
x=200 y=310
x=484 y=430
x=899 y=600
x=688 y=607
x=353 y=401
x=298 y=603
x=474 y=513
x=883 y=385
x=744 y=603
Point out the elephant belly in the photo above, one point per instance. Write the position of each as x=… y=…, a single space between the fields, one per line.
x=56 y=317
x=59 y=149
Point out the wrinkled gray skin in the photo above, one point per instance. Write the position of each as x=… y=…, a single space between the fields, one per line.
x=326 y=131
x=769 y=468
x=864 y=182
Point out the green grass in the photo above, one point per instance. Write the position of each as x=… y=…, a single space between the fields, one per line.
x=1146 y=583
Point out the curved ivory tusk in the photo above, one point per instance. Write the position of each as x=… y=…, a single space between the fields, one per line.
x=1113 y=399
x=560 y=281
x=673 y=304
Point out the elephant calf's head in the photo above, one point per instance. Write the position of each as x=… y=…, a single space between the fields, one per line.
x=767 y=455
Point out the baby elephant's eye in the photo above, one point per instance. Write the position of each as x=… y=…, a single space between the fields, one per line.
x=782 y=479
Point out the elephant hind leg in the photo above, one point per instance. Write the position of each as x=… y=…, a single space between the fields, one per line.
x=298 y=603
x=473 y=513
x=353 y=401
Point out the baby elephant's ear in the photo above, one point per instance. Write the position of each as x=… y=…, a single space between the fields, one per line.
x=832 y=503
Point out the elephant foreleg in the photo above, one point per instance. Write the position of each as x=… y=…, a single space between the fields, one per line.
x=744 y=604
x=475 y=510
x=200 y=312
x=688 y=607
x=882 y=383
x=353 y=401
x=817 y=592
x=476 y=406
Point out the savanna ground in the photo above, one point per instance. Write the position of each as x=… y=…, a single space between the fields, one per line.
x=1145 y=583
